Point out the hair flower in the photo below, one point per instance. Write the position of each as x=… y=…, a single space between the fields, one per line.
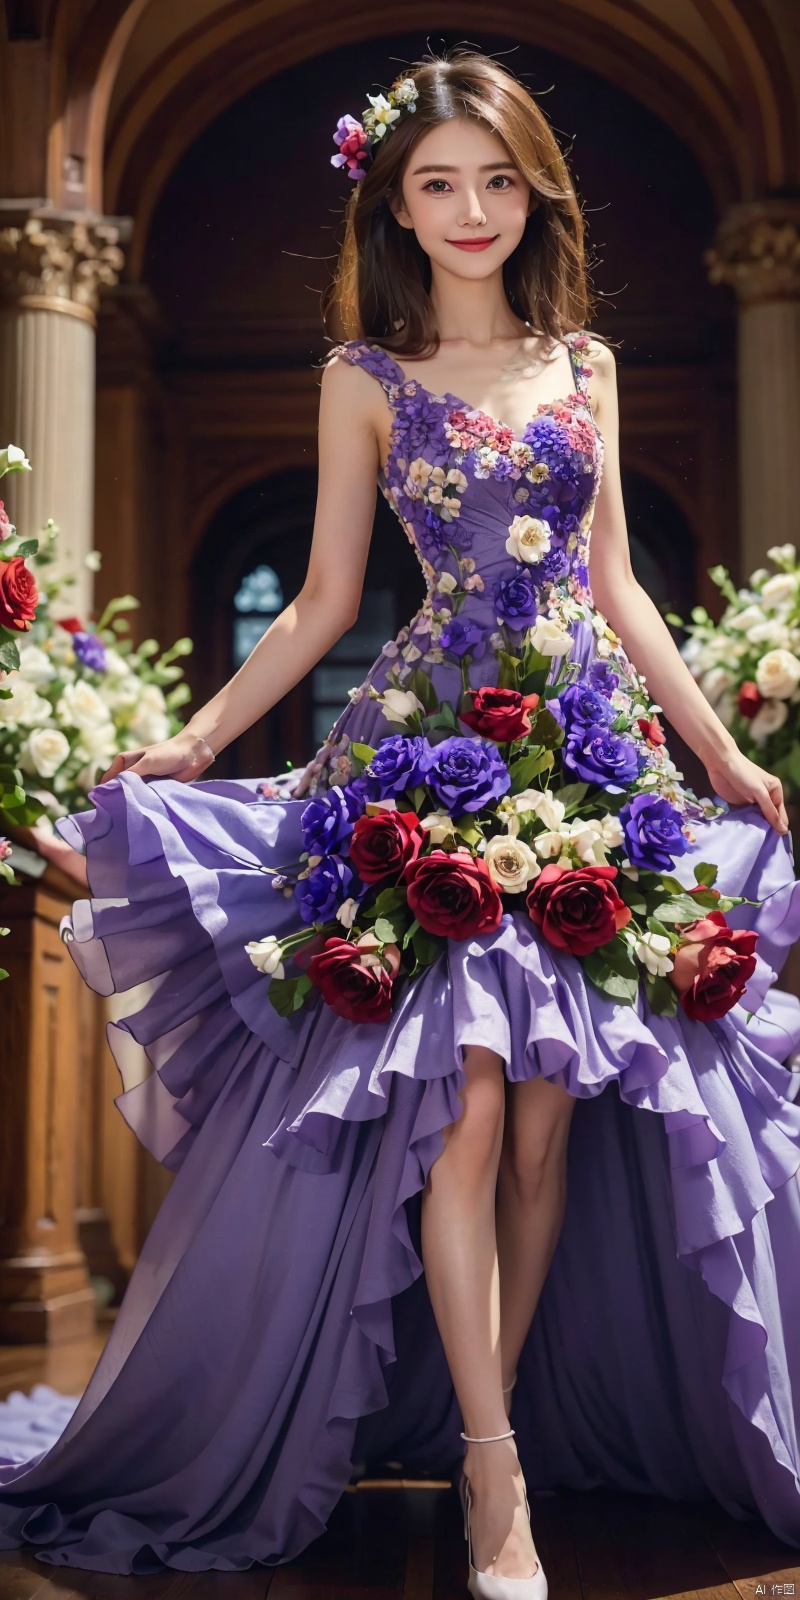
x=355 y=140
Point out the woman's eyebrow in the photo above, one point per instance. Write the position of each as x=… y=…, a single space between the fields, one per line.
x=492 y=166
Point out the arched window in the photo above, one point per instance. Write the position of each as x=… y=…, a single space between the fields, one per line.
x=256 y=602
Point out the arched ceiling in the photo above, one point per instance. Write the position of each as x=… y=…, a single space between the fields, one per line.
x=133 y=82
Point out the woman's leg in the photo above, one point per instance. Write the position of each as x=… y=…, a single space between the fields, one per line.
x=459 y=1250
x=531 y=1196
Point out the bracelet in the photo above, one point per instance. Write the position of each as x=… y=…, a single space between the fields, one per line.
x=200 y=740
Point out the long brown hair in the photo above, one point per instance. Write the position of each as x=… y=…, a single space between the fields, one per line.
x=381 y=287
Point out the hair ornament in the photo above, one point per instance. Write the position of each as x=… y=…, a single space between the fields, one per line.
x=356 y=140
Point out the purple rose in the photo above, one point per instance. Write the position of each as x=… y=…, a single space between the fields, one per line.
x=90 y=650
x=327 y=886
x=597 y=755
x=458 y=637
x=466 y=774
x=328 y=820
x=653 y=834
x=399 y=763
x=515 y=599
x=581 y=706
x=602 y=677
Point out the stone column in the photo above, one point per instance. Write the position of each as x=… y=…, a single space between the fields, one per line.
x=52 y=267
x=757 y=252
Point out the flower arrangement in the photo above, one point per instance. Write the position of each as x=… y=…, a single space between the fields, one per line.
x=19 y=598
x=355 y=141
x=748 y=663
x=72 y=693
x=559 y=804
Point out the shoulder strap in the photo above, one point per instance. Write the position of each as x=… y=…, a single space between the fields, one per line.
x=377 y=362
x=576 y=342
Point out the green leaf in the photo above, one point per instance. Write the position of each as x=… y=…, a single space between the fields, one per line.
x=289 y=994
x=409 y=933
x=427 y=947
x=509 y=666
x=706 y=872
x=546 y=729
x=363 y=752
x=571 y=795
x=417 y=795
x=661 y=995
x=683 y=908
x=631 y=894
x=654 y=926
x=468 y=829
x=27 y=547
x=674 y=619
x=422 y=686
x=528 y=767
x=9 y=655
x=390 y=929
x=617 y=956
x=609 y=982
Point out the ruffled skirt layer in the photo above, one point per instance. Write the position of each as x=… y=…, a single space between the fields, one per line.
x=277 y=1334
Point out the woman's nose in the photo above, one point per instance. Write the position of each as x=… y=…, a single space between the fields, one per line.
x=472 y=215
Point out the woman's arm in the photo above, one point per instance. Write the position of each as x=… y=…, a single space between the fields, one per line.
x=327 y=604
x=644 y=633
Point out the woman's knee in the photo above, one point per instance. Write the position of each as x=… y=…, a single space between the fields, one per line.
x=477 y=1133
x=536 y=1134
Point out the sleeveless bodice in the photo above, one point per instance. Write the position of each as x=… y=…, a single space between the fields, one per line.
x=507 y=517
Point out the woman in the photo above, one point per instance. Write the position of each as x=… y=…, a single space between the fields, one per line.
x=220 y=1426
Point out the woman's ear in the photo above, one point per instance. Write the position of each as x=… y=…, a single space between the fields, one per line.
x=532 y=203
x=397 y=207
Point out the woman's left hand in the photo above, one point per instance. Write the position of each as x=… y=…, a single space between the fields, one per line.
x=739 y=780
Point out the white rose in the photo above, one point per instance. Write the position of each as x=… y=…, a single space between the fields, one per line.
x=780 y=588
x=773 y=632
x=265 y=954
x=783 y=555
x=548 y=809
x=447 y=583
x=778 y=674
x=25 y=708
x=98 y=743
x=120 y=693
x=613 y=831
x=511 y=863
x=44 y=751
x=439 y=824
x=548 y=844
x=116 y=666
x=150 y=721
x=399 y=704
x=80 y=706
x=549 y=639
x=35 y=664
x=744 y=620
x=528 y=538
x=652 y=949
x=768 y=720
x=714 y=682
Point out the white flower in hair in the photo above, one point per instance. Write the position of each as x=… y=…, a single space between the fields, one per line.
x=406 y=94
x=383 y=114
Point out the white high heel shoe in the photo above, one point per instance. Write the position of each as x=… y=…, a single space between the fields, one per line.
x=482 y=1585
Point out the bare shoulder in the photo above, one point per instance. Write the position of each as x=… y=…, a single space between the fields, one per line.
x=601 y=359
x=345 y=384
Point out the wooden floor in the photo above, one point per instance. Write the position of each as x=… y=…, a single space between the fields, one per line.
x=398 y=1540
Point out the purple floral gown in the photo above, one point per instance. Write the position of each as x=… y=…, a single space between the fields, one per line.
x=277 y=1335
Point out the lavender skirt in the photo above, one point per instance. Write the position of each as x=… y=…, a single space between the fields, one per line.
x=277 y=1336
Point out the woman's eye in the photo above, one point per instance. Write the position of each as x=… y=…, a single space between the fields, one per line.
x=434 y=181
x=499 y=177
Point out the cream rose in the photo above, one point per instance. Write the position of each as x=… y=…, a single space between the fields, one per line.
x=768 y=720
x=44 y=751
x=35 y=664
x=26 y=708
x=511 y=863
x=781 y=588
x=778 y=674
x=265 y=954
x=399 y=704
x=549 y=639
x=528 y=538
x=80 y=706
x=652 y=949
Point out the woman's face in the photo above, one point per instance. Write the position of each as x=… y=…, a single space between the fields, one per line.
x=464 y=197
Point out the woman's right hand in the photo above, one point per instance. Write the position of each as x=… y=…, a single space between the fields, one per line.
x=183 y=757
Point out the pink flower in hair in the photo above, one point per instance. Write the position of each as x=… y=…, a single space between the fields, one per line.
x=353 y=147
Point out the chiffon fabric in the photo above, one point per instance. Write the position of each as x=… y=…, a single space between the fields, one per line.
x=277 y=1336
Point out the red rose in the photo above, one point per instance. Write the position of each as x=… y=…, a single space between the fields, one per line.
x=750 y=699
x=19 y=595
x=652 y=730
x=72 y=624
x=383 y=844
x=5 y=525
x=577 y=908
x=500 y=714
x=356 y=979
x=452 y=894
x=713 y=964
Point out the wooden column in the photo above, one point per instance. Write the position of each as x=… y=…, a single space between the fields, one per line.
x=45 y=1054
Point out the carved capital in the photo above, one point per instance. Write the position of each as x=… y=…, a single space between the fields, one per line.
x=61 y=263
x=757 y=250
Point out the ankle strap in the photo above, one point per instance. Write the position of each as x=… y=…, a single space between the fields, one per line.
x=488 y=1438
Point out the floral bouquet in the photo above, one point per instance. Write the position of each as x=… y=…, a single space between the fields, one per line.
x=561 y=804
x=72 y=693
x=748 y=663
